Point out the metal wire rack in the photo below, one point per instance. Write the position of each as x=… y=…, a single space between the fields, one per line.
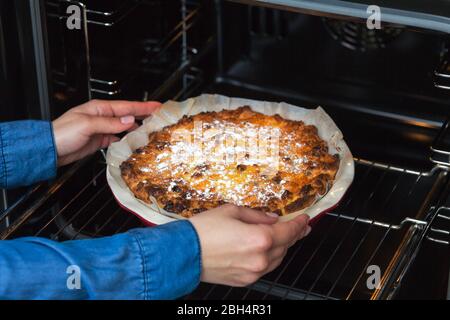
x=378 y=223
x=332 y=263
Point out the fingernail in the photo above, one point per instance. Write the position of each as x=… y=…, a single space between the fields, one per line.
x=127 y=119
x=272 y=215
x=308 y=231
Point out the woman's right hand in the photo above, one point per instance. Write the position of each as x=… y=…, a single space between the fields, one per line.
x=240 y=245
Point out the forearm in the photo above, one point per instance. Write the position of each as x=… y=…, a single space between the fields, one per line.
x=27 y=153
x=154 y=263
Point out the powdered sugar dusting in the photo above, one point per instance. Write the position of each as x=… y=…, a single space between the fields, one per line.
x=222 y=161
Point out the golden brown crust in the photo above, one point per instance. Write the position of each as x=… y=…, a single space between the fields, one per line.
x=171 y=171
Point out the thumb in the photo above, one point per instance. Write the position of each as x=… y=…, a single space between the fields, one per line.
x=300 y=224
x=110 y=125
x=287 y=233
x=256 y=217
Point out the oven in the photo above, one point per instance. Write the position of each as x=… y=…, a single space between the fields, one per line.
x=387 y=88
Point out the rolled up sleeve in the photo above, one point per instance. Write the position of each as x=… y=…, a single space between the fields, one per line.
x=27 y=153
x=171 y=260
x=162 y=262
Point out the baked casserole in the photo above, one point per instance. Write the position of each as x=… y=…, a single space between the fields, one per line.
x=240 y=156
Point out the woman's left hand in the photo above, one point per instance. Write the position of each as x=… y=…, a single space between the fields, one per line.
x=87 y=128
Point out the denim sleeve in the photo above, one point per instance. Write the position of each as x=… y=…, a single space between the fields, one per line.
x=27 y=153
x=153 y=263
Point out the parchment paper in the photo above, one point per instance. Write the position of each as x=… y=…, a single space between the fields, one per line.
x=173 y=111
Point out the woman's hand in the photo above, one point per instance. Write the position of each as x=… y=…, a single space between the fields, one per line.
x=240 y=245
x=92 y=126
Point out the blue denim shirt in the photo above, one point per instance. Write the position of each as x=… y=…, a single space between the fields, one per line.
x=152 y=263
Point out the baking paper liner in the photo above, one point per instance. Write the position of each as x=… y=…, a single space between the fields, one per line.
x=171 y=112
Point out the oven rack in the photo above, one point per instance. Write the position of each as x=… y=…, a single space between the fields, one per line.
x=402 y=258
x=382 y=220
x=270 y=288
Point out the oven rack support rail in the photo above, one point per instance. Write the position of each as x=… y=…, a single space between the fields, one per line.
x=436 y=234
x=442 y=72
x=440 y=149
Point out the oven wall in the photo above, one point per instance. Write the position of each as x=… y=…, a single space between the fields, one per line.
x=24 y=87
x=23 y=63
x=145 y=50
x=378 y=86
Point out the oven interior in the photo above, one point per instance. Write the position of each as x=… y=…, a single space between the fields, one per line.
x=388 y=91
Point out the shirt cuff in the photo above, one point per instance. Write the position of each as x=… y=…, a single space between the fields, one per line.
x=28 y=153
x=171 y=259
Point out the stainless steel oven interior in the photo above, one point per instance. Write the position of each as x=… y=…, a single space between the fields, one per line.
x=388 y=90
